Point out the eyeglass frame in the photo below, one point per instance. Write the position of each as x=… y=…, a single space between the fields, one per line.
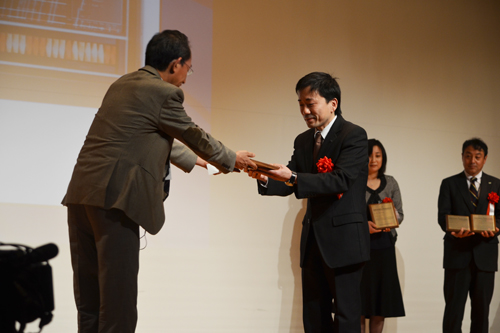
x=190 y=69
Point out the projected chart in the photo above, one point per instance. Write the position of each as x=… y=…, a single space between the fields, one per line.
x=79 y=36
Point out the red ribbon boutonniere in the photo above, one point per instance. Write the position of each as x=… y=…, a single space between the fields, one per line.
x=325 y=165
x=386 y=200
x=492 y=199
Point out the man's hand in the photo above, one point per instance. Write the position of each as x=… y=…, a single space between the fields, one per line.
x=256 y=175
x=201 y=162
x=463 y=233
x=282 y=174
x=243 y=160
x=489 y=234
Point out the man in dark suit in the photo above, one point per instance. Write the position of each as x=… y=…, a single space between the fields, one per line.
x=335 y=237
x=118 y=181
x=470 y=259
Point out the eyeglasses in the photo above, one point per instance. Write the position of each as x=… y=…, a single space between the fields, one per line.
x=190 y=70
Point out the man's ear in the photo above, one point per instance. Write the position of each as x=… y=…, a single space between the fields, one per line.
x=175 y=65
x=334 y=103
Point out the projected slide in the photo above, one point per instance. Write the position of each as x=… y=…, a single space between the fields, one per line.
x=83 y=36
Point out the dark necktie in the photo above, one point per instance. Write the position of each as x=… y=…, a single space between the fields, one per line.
x=318 y=140
x=473 y=191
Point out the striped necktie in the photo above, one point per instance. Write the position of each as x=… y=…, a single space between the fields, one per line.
x=473 y=191
x=318 y=140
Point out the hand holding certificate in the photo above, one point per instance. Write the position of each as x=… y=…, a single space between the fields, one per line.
x=384 y=215
x=263 y=168
x=275 y=171
x=465 y=226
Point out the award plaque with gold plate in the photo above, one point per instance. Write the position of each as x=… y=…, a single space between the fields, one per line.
x=456 y=223
x=480 y=223
x=384 y=215
x=476 y=223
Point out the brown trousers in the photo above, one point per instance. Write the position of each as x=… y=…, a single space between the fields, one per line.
x=105 y=258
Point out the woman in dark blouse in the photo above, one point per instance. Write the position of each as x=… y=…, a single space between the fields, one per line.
x=380 y=288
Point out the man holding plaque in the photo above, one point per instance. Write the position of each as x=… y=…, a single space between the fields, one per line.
x=329 y=167
x=470 y=258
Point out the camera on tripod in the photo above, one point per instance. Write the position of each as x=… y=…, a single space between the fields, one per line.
x=25 y=285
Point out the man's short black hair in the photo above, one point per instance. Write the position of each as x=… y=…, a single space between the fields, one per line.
x=372 y=143
x=322 y=83
x=477 y=144
x=165 y=47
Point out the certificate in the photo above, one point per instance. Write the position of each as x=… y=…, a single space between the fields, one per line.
x=263 y=168
x=383 y=215
x=457 y=222
x=482 y=223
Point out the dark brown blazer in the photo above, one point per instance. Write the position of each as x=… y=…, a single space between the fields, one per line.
x=122 y=162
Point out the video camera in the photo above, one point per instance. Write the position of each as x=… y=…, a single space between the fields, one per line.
x=25 y=286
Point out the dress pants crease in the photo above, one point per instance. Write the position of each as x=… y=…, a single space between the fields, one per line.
x=458 y=284
x=321 y=284
x=105 y=258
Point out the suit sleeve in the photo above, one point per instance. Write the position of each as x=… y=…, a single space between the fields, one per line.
x=277 y=188
x=348 y=167
x=444 y=204
x=396 y=198
x=182 y=157
x=175 y=122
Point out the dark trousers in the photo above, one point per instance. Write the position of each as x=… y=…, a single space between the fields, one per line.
x=105 y=258
x=458 y=283
x=322 y=284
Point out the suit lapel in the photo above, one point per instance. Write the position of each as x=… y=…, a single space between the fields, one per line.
x=328 y=144
x=308 y=149
x=484 y=189
x=326 y=148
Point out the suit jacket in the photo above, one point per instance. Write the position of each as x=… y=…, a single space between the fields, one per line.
x=122 y=162
x=182 y=157
x=454 y=199
x=340 y=225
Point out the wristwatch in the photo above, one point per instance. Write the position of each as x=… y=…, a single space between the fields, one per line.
x=291 y=181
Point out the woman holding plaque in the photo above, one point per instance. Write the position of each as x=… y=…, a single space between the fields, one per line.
x=380 y=289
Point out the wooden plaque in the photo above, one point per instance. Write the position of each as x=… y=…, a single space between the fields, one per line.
x=457 y=222
x=383 y=215
x=263 y=168
x=482 y=223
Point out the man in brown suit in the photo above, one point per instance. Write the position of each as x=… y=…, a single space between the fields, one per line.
x=118 y=181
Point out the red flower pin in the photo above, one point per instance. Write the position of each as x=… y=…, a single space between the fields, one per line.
x=492 y=197
x=325 y=165
x=386 y=200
